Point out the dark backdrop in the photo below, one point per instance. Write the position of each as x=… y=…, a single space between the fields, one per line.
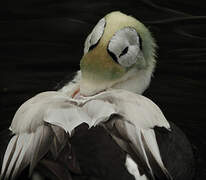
x=41 y=42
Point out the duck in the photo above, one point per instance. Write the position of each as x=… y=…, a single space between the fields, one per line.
x=116 y=68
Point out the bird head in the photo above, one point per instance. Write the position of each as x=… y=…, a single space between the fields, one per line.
x=118 y=53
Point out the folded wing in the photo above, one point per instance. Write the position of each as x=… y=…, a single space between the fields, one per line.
x=40 y=123
x=33 y=135
x=133 y=130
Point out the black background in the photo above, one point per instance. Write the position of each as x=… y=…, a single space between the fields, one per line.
x=41 y=42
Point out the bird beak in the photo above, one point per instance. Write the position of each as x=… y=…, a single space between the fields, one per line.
x=99 y=71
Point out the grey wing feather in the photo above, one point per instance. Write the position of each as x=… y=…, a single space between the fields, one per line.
x=59 y=141
x=142 y=147
x=16 y=152
x=25 y=149
x=8 y=155
x=41 y=145
x=23 y=159
x=119 y=134
x=151 y=147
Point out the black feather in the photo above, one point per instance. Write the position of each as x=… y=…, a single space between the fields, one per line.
x=176 y=152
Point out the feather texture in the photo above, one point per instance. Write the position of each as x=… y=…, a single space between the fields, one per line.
x=41 y=123
x=137 y=118
x=25 y=149
x=33 y=137
x=41 y=144
x=8 y=155
x=25 y=140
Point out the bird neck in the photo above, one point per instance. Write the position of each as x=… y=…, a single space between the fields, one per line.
x=137 y=81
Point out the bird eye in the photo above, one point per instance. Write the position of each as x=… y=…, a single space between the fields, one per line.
x=124 y=52
x=124 y=46
x=94 y=37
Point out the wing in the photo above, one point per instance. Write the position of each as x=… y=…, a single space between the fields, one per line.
x=90 y=112
x=133 y=129
x=24 y=149
x=35 y=121
x=142 y=146
x=40 y=125
x=33 y=136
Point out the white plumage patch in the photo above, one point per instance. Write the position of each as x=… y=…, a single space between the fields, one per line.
x=95 y=35
x=125 y=46
x=35 y=121
x=132 y=168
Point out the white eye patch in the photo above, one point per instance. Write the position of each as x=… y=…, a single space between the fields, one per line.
x=124 y=46
x=94 y=37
